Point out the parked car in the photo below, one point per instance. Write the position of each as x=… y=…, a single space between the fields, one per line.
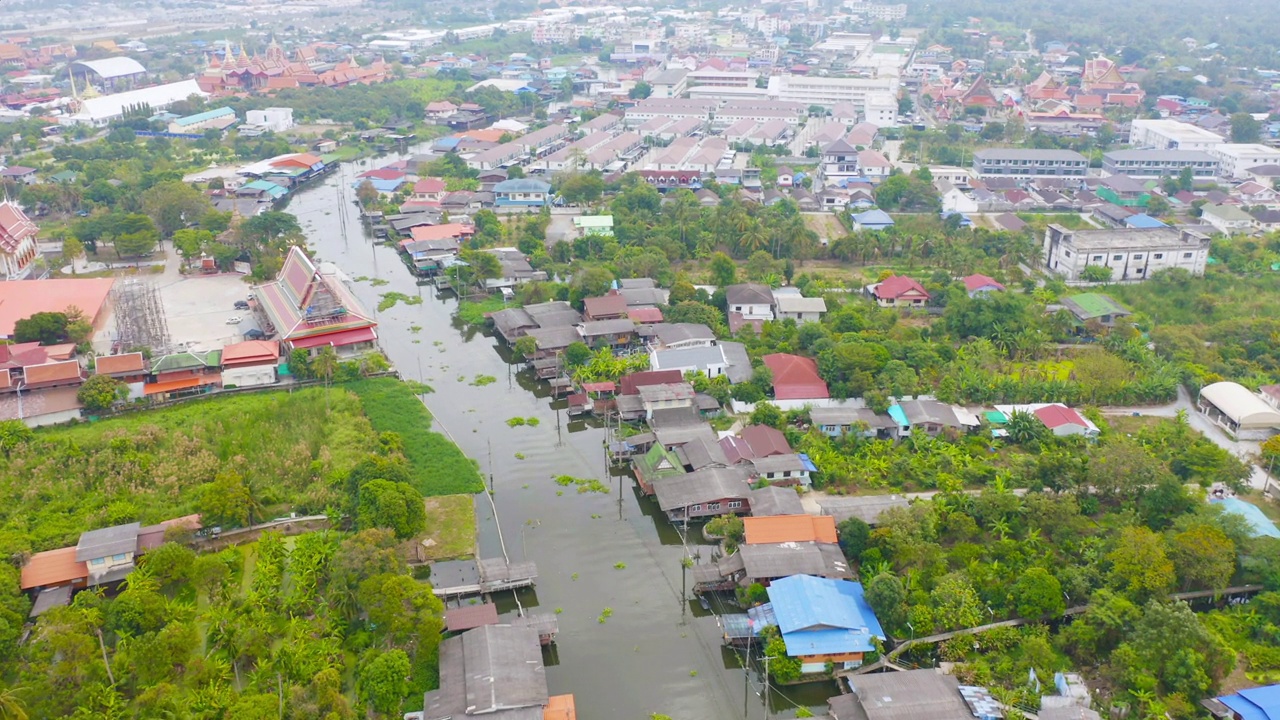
x=242 y=305
x=234 y=320
x=255 y=334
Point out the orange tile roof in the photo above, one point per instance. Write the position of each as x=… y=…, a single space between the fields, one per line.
x=560 y=707
x=125 y=363
x=486 y=135
x=24 y=299
x=53 y=567
x=64 y=371
x=183 y=384
x=790 y=528
x=251 y=351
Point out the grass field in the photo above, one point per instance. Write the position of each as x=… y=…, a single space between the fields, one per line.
x=451 y=530
x=439 y=466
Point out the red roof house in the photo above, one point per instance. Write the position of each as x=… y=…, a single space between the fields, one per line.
x=976 y=283
x=1063 y=420
x=899 y=291
x=795 y=377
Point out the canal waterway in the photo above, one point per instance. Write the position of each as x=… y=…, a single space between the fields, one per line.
x=629 y=646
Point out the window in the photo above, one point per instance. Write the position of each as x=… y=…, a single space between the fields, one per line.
x=1186 y=256
x=1159 y=256
x=97 y=561
x=1117 y=257
x=735 y=504
x=1097 y=258
x=713 y=506
x=118 y=557
x=1138 y=256
x=1066 y=253
x=695 y=508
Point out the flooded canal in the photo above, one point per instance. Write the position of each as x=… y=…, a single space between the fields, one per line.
x=628 y=645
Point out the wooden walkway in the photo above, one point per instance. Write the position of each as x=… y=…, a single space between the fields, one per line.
x=887 y=662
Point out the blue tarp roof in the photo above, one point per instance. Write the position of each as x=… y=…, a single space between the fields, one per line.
x=1143 y=221
x=808 y=464
x=1259 y=524
x=383 y=186
x=899 y=415
x=1255 y=704
x=448 y=142
x=822 y=615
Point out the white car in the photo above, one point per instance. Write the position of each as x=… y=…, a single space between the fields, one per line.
x=234 y=320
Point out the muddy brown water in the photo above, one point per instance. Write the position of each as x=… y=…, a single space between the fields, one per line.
x=654 y=653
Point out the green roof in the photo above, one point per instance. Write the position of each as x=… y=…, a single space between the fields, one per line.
x=658 y=462
x=995 y=417
x=186 y=361
x=1093 y=305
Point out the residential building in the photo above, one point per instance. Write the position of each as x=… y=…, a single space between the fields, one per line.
x=680 y=336
x=669 y=83
x=925 y=693
x=1123 y=191
x=748 y=303
x=666 y=396
x=17 y=241
x=108 y=553
x=1063 y=421
x=931 y=417
x=250 y=363
x=522 y=192
x=726 y=358
x=1227 y=219
x=795 y=377
x=1029 y=163
x=606 y=307
x=839 y=164
x=1152 y=163
x=786 y=470
x=593 y=225
x=898 y=291
x=824 y=622
x=875 y=219
x=766 y=563
x=978 y=284
x=752 y=442
x=1094 y=306
x=1164 y=134
x=1261 y=703
x=798 y=308
x=837 y=421
x=1236 y=159
x=705 y=493
x=494 y=672
x=1131 y=253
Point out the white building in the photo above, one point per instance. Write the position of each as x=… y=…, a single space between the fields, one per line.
x=881 y=109
x=1132 y=254
x=800 y=309
x=1227 y=219
x=273 y=119
x=1165 y=134
x=669 y=83
x=1236 y=159
x=830 y=91
x=101 y=110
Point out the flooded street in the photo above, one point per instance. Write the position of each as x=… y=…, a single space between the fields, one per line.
x=651 y=652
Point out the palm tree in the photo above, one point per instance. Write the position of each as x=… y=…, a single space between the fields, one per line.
x=10 y=705
x=752 y=239
x=324 y=365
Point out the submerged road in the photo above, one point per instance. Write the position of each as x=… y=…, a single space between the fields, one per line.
x=653 y=653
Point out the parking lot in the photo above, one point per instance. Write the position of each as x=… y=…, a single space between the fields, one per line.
x=197 y=309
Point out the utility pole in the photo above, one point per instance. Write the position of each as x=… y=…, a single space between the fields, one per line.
x=767 y=658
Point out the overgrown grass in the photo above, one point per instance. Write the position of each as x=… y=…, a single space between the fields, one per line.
x=473 y=312
x=451 y=528
x=292 y=448
x=439 y=466
x=1219 y=295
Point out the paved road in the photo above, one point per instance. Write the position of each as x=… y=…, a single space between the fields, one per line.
x=1246 y=450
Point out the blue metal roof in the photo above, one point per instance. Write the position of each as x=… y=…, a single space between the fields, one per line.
x=899 y=415
x=873 y=217
x=206 y=115
x=808 y=464
x=821 y=615
x=1255 y=704
x=525 y=185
